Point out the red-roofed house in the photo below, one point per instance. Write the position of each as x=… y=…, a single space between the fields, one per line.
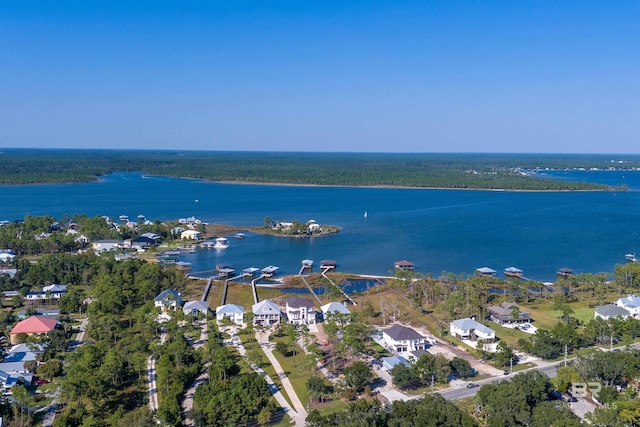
x=33 y=325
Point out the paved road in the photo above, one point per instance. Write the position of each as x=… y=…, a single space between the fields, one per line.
x=277 y=394
x=151 y=372
x=50 y=415
x=187 y=403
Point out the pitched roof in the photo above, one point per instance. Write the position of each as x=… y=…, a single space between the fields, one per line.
x=485 y=270
x=333 y=307
x=169 y=294
x=229 y=309
x=610 y=310
x=402 y=333
x=295 y=302
x=631 y=301
x=34 y=324
x=196 y=305
x=265 y=307
x=468 y=324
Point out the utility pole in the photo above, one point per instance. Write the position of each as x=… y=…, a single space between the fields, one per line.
x=511 y=365
x=433 y=381
x=565 y=355
x=611 y=345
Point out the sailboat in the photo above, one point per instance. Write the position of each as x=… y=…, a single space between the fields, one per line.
x=365 y=214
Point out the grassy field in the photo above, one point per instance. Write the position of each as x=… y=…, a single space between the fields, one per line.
x=299 y=373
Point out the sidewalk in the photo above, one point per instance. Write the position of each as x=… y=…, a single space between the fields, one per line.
x=277 y=394
x=268 y=347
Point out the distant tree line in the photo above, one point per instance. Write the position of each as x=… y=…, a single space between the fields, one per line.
x=459 y=171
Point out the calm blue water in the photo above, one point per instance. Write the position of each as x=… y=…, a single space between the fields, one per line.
x=439 y=230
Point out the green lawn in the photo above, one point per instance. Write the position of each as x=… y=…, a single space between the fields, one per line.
x=299 y=374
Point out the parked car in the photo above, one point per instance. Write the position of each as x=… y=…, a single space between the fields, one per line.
x=42 y=381
x=472 y=385
x=506 y=373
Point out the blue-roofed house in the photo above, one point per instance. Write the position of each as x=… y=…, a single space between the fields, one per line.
x=233 y=312
x=388 y=363
x=470 y=329
x=631 y=303
x=194 y=308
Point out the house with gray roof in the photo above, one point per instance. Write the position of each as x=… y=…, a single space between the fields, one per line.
x=611 y=311
x=401 y=338
x=503 y=313
x=300 y=311
x=265 y=313
x=335 y=309
x=470 y=329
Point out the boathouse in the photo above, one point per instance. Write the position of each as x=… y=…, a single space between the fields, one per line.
x=326 y=264
x=565 y=272
x=405 y=265
x=270 y=271
x=486 y=271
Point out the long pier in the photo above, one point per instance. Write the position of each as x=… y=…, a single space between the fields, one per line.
x=309 y=287
x=324 y=274
x=226 y=287
x=253 y=287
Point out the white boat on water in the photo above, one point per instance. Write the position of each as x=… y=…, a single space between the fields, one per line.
x=221 y=243
x=631 y=257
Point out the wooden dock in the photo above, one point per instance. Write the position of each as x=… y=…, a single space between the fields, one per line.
x=308 y=286
x=324 y=274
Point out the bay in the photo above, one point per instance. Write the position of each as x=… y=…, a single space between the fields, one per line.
x=438 y=230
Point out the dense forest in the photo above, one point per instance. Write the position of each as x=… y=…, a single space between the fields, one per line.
x=473 y=171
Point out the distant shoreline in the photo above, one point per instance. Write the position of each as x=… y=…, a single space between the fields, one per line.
x=402 y=187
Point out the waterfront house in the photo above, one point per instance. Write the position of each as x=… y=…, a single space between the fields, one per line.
x=405 y=265
x=168 y=300
x=233 y=312
x=190 y=235
x=336 y=310
x=470 y=329
x=194 y=308
x=401 y=338
x=486 y=271
x=265 y=313
x=300 y=311
x=503 y=313
x=33 y=325
x=313 y=227
x=631 y=303
x=611 y=311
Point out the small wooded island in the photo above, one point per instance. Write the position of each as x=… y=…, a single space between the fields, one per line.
x=294 y=228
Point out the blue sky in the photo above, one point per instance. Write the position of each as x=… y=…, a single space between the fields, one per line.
x=375 y=76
